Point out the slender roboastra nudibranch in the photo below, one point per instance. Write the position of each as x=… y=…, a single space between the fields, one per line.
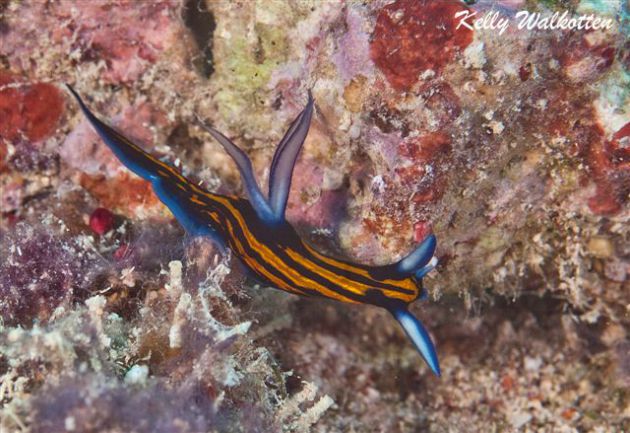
x=258 y=234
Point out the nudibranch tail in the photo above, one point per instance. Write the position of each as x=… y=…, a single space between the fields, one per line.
x=418 y=335
x=173 y=189
x=127 y=152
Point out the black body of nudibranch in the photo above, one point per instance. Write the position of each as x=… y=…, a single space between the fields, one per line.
x=256 y=231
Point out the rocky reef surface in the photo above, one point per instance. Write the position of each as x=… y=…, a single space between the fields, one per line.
x=511 y=145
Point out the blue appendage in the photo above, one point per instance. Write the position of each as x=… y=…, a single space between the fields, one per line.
x=256 y=198
x=416 y=261
x=148 y=168
x=281 y=172
x=284 y=160
x=419 y=336
x=128 y=153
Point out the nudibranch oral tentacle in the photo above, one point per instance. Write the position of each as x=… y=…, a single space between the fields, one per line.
x=258 y=234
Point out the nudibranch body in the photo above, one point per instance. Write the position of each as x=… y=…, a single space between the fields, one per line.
x=256 y=231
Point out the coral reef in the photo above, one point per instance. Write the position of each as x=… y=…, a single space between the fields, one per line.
x=511 y=146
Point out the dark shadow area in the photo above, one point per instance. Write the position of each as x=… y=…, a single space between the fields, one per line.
x=201 y=23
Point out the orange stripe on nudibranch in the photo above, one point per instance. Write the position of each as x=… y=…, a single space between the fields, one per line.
x=285 y=268
x=254 y=264
x=352 y=286
x=406 y=284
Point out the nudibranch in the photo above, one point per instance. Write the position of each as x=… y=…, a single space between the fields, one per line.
x=256 y=231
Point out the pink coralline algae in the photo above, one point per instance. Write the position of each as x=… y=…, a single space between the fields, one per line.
x=101 y=173
x=609 y=161
x=353 y=57
x=569 y=117
x=585 y=56
x=425 y=174
x=127 y=37
x=314 y=206
x=412 y=36
x=28 y=111
x=130 y=40
x=84 y=151
x=124 y=193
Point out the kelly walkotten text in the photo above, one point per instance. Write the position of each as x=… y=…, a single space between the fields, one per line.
x=532 y=20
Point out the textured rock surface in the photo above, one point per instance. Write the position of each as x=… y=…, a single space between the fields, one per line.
x=512 y=148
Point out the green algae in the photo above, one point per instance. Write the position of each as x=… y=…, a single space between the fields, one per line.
x=252 y=59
